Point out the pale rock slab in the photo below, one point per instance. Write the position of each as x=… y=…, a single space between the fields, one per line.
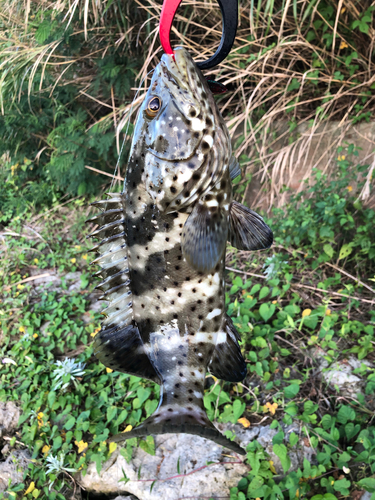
x=192 y=452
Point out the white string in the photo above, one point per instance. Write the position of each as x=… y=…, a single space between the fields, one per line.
x=127 y=128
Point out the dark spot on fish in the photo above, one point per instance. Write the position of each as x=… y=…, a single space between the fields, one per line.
x=178 y=202
x=210 y=300
x=209 y=121
x=166 y=251
x=193 y=374
x=187 y=193
x=175 y=283
x=194 y=290
x=189 y=408
x=192 y=334
x=177 y=268
x=169 y=419
x=191 y=165
x=177 y=385
x=196 y=176
x=187 y=278
x=192 y=113
x=172 y=302
x=190 y=391
x=196 y=135
x=180 y=374
x=166 y=239
x=170 y=409
x=164 y=289
x=143 y=306
x=190 y=399
x=175 y=396
x=179 y=294
x=199 y=301
x=175 y=316
x=192 y=308
x=205 y=145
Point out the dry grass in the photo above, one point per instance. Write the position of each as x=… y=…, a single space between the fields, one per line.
x=281 y=71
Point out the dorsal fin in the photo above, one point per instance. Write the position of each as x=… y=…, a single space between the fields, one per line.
x=118 y=345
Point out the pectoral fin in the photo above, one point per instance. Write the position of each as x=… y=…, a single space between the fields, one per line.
x=204 y=235
x=234 y=168
x=248 y=231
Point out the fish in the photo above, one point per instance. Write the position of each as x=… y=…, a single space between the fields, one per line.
x=162 y=253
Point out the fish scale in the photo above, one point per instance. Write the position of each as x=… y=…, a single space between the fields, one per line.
x=162 y=253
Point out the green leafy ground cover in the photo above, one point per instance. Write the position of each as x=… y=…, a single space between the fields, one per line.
x=309 y=291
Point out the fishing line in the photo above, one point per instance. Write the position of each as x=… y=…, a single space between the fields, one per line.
x=127 y=128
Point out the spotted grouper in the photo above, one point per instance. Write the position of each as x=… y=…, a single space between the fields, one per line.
x=162 y=253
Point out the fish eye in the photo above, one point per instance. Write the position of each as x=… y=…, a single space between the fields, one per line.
x=153 y=106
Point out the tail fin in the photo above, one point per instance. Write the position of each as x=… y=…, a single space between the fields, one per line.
x=180 y=421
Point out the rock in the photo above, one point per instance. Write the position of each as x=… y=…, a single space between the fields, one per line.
x=13 y=468
x=366 y=495
x=340 y=373
x=128 y=497
x=192 y=453
x=264 y=435
x=9 y=416
x=75 y=281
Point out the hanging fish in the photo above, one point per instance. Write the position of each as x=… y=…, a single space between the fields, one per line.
x=162 y=253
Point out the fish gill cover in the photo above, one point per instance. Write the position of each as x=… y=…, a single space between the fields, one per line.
x=162 y=252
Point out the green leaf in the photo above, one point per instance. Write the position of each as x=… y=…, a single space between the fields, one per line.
x=367 y=484
x=281 y=451
x=345 y=251
x=51 y=398
x=264 y=292
x=291 y=391
x=69 y=423
x=148 y=445
x=266 y=311
x=293 y=439
x=328 y=250
x=345 y=414
x=111 y=413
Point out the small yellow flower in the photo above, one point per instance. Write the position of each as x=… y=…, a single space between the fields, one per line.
x=108 y=370
x=22 y=329
x=36 y=261
x=272 y=467
x=20 y=287
x=97 y=330
x=78 y=247
x=24 y=276
x=81 y=445
x=128 y=428
x=112 y=447
x=274 y=302
x=343 y=10
x=84 y=257
x=343 y=45
x=46 y=449
x=306 y=312
x=297 y=493
x=40 y=419
x=35 y=335
x=272 y=407
x=332 y=483
x=349 y=188
x=30 y=488
x=73 y=260
x=16 y=294
x=341 y=158
x=244 y=422
x=328 y=312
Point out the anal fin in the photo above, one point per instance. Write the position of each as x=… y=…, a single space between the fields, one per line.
x=247 y=229
x=122 y=350
x=227 y=362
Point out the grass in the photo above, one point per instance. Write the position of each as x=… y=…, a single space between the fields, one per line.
x=301 y=297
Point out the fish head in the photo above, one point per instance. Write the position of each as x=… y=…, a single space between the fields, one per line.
x=178 y=120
